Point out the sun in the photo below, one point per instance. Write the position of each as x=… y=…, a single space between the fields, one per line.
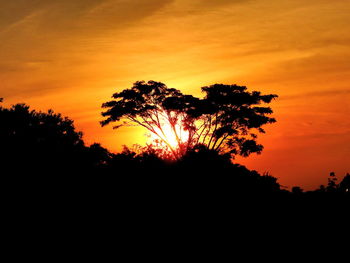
x=171 y=136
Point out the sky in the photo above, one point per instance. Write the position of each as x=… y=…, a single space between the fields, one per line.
x=72 y=55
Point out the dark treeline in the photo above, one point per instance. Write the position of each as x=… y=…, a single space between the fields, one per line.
x=43 y=153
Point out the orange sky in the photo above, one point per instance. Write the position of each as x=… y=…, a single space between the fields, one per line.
x=71 y=55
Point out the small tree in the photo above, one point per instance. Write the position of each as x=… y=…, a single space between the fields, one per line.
x=223 y=121
x=332 y=183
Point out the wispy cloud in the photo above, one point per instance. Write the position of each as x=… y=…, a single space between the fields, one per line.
x=66 y=16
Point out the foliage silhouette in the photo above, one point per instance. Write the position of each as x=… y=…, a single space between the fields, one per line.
x=42 y=142
x=49 y=156
x=226 y=120
x=47 y=144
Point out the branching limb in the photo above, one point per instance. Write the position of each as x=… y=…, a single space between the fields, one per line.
x=215 y=128
x=222 y=141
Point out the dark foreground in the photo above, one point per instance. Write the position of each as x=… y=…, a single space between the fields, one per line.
x=201 y=181
x=45 y=166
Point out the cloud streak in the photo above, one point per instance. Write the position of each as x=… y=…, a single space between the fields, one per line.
x=310 y=95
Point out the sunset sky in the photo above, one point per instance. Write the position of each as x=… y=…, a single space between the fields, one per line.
x=72 y=55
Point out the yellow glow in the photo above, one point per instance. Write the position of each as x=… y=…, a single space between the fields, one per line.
x=169 y=135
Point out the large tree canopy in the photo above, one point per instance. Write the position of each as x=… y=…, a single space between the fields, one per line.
x=226 y=120
x=231 y=117
x=154 y=106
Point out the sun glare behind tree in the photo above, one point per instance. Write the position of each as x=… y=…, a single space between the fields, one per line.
x=226 y=120
x=174 y=136
x=157 y=108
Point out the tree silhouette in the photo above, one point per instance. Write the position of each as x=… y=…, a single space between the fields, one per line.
x=155 y=107
x=226 y=120
x=332 y=183
x=230 y=117
x=31 y=140
x=344 y=185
